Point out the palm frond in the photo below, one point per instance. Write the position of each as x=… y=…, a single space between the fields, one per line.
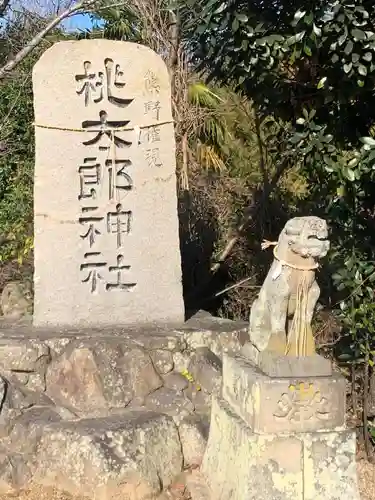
x=209 y=158
x=200 y=95
x=214 y=131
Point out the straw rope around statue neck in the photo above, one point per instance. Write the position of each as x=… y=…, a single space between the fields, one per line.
x=112 y=132
x=300 y=330
x=266 y=244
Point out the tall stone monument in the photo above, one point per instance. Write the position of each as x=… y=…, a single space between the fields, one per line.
x=278 y=426
x=106 y=225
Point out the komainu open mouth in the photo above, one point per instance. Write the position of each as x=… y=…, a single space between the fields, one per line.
x=316 y=237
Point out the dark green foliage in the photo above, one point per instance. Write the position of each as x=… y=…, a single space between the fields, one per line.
x=290 y=55
x=16 y=161
x=312 y=65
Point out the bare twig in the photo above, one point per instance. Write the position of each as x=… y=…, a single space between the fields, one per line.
x=173 y=52
x=327 y=344
x=82 y=6
x=366 y=436
x=262 y=163
x=3 y=6
x=236 y=285
x=354 y=392
x=249 y=215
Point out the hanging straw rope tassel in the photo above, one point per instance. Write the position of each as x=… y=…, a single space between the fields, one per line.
x=300 y=341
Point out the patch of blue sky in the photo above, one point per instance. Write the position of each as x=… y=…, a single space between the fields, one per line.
x=81 y=22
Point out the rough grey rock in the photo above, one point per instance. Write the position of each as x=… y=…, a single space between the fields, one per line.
x=220 y=335
x=18 y=400
x=15 y=400
x=23 y=355
x=175 y=382
x=16 y=300
x=197 y=486
x=102 y=373
x=201 y=401
x=92 y=377
x=163 y=361
x=143 y=377
x=165 y=340
x=58 y=345
x=206 y=368
x=28 y=428
x=25 y=361
x=331 y=466
x=181 y=360
x=193 y=432
x=85 y=379
x=166 y=401
x=14 y=472
x=106 y=456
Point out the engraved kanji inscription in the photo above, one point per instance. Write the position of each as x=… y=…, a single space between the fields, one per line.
x=152 y=108
x=91 y=220
x=94 y=85
x=119 y=223
x=89 y=176
x=91 y=84
x=151 y=134
x=107 y=128
x=152 y=84
x=121 y=284
x=153 y=157
x=301 y=403
x=119 y=179
x=115 y=74
x=92 y=269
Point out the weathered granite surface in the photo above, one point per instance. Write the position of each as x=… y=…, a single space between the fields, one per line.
x=284 y=404
x=239 y=463
x=282 y=437
x=105 y=456
x=108 y=410
x=16 y=300
x=275 y=365
x=106 y=245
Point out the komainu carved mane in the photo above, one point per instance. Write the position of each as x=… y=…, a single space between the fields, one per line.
x=280 y=318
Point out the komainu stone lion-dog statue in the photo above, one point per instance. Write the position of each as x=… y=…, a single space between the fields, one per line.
x=280 y=318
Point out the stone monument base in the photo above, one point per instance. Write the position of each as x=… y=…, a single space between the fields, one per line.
x=240 y=464
x=108 y=413
x=279 y=438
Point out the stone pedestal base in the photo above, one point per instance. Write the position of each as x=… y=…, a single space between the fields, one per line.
x=242 y=465
x=280 y=438
x=283 y=404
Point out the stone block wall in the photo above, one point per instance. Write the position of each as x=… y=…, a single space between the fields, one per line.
x=92 y=411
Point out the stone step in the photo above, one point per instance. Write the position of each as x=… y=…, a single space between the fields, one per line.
x=134 y=455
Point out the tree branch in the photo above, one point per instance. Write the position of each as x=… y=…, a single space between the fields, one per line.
x=3 y=6
x=34 y=42
x=262 y=163
x=249 y=215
